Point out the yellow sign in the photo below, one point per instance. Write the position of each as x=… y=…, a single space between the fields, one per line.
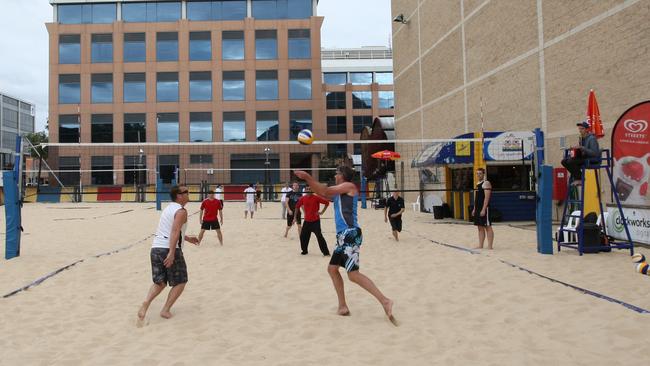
x=463 y=148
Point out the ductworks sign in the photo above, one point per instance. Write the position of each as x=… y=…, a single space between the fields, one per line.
x=638 y=222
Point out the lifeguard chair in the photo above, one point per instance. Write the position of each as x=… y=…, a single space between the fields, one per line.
x=572 y=235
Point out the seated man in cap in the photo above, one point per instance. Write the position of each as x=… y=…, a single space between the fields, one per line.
x=588 y=150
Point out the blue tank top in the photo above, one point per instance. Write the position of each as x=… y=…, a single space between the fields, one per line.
x=345 y=211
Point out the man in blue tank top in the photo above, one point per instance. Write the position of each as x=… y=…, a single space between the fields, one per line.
x=348 y=237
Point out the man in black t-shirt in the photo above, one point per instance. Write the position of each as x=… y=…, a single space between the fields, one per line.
x=393 y=213
x=292 y=199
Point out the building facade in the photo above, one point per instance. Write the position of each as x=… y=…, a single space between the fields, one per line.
x=188 y=72
x=358 y=86
x=16 y=118
x=531 y=63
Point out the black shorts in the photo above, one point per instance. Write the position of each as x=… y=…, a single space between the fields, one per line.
x=210 y=225
x=396 y=223
x=482 y=220
x=298 y=218
x=174 y=275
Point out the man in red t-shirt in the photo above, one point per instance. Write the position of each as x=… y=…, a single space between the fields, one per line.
x=310 y=204
x=208 y=217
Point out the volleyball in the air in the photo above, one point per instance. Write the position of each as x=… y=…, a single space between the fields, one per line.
x=305 y=137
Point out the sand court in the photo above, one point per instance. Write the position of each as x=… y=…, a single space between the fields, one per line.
x=257 y=301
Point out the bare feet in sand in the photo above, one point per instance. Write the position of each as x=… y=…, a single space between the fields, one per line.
x=143 y=311
x=388 y=309
x=343 y=311
x=165 y=314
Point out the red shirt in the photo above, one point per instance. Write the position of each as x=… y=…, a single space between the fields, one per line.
x=211 y=208
x=312 y=204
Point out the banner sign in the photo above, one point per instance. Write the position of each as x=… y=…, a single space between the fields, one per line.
x=638 y=222
x=509 y=146
x=631 y=153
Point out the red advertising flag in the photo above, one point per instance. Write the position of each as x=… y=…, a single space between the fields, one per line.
x=631 y=153
x=593 y=116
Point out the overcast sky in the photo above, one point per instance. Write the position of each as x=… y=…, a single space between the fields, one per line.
x=24 y=45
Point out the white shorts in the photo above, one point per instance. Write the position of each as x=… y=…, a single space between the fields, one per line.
x=250 y=206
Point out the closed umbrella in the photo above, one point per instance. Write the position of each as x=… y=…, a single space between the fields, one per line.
x=593 y=116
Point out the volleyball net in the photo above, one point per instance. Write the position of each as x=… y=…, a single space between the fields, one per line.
x=140 y=170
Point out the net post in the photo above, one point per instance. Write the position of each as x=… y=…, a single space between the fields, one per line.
x=12 y=214
x=159 y=186
x=364 y=188
x=543 y=210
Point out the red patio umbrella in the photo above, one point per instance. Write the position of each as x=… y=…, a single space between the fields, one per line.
x=386 y=155
x=593 y=115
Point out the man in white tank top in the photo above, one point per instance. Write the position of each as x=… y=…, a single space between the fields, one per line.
x=167 y=261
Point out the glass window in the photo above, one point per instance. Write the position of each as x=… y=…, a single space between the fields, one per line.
x=135 y=49
x=384 y=78
x=135 y=90
x=101 y=48
x=267 y=127
x=135 y=129
x=298 y=9
x=232 y=45
x=167 y=87
x=335 y=78
x=282 y=9
x=101 y=88
x=361 y=78
x=102 y=170
x=69 y=89
x=134 y=166
x=9 y=118
x=103 y=13
x=359 y=122
x=233 y=9
x=234 y=85
x=299 y=44
x=69 y=49
x=337 y=150
x=335 y=100
x=336 y=124
x=71 y=165
x=386 y=100
x=200 y=126
x=234 y=126
x=166 y=46
x=167 y=127
x=69 y=14
x=299 y=84
x=266 y=85
x=266 y=44
x=361 y=100
x=101 y=128
x=298 y=121
x=200 y=159
x=69 y=128
x=168 y=168
x=200 y=46
x=87 y=13
x=216 y=10
x=200 y=85
x=167 y=11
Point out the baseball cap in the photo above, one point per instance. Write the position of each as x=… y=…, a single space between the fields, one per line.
x=584 y=124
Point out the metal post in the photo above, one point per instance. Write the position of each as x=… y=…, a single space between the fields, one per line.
x=267 y=151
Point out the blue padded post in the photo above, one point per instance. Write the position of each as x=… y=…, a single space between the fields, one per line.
x=543 y=210
x=12 y=215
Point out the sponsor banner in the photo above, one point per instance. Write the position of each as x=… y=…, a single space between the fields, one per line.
x=631 y=153
x=508 y=146
x=638 y=222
